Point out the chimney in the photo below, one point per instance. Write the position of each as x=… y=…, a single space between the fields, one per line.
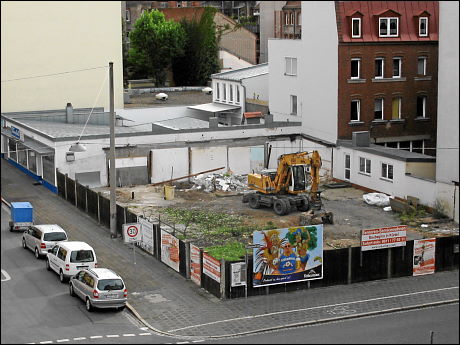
x=361 y=139
x=69 y=113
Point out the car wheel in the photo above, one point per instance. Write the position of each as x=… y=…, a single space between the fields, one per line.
x=72 y=293
x=48 y=267
x=24 y=245
x=61 y=276
x=89 y=307
x=37 y=255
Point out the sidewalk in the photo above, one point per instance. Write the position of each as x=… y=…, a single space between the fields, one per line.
x=170 y=303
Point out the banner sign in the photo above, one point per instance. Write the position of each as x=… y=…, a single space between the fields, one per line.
x=238 y=274
x=195 y=267
x=288 y=255
x=170 y=250
x=393 y=236
x=424 y=256
x=131 y=232
x=147 y=235
x=211 y=267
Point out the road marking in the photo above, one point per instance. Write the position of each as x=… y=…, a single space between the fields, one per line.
x=197 y=341
x=6 y=275
x=62 y=340
x=46 y=342
x=311 y=308
x=129 y=335
x=112 y=336
x=144 y=328
x=145 y=333
x=95 y=337
x=80 y=338
x=182 y=342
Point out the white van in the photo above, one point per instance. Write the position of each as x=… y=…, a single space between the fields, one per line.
x=70 y=257
x=40 y=238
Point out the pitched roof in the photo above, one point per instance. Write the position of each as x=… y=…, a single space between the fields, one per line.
x=243 y=73
x=179 y=13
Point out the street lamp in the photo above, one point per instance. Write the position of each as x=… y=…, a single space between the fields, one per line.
x=77 y=147
x=112 y=169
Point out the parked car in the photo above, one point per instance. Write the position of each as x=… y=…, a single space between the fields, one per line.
x=69 y=257
x=40 y=238
x=100 y=288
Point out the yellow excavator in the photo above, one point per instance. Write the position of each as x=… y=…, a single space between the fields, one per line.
x=287 y=186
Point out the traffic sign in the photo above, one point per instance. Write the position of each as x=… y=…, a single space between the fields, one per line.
x=132 y=232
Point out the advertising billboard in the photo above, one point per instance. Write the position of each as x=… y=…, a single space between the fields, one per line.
x=288 y=255
x=424 y=256
x=389 y=237
x=195 y=264
x=211 y=267
x=170 y=250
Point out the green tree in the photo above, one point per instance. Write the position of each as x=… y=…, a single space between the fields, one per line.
x=154 y=43
x=200 y=58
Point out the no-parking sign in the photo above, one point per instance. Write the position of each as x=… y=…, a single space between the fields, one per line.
x=132 y=232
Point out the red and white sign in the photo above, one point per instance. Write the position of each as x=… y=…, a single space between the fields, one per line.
x=195 y=264
x=424 y=256
x=393 y=236
x=132 y=232
x=211 y=267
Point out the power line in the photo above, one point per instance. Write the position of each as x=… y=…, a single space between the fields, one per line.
x=53 y=74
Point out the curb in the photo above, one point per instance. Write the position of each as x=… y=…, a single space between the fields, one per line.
x=299 y=324
x=6 y=202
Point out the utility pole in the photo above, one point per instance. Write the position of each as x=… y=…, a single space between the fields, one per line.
x=112 y=169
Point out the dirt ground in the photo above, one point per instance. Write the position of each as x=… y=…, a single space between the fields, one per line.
x=174 y=99
x=351 y=213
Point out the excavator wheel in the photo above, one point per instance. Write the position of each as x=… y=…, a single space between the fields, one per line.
x=254 y=201
x=288 y=206
x=305 y=206
x=279 y=207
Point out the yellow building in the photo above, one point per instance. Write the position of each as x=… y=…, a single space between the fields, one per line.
x=51 y=51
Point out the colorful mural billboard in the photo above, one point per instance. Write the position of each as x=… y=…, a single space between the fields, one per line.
x=288 y=255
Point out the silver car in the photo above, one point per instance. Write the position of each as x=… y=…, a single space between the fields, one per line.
x=100 y=288
x=40 y=238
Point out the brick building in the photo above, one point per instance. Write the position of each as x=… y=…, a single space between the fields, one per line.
x=388 y=56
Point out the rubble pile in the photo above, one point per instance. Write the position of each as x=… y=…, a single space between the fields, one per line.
x=220 y=182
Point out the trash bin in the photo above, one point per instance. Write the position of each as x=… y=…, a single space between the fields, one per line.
x=169 y=192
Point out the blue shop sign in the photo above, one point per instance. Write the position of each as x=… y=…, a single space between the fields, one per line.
x=16 y=132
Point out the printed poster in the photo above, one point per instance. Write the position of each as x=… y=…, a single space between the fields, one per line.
x=424 y=256
x=147 y=235
x=393 y=236
x=288 y=255
x=170 y=250
x=195 y=267
x=211 y=267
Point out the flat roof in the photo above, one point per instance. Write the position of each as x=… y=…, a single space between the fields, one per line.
x=389 y=152
x=214 y=107
x=243 y=73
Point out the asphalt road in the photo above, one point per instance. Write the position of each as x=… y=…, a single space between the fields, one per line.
x=36 y=307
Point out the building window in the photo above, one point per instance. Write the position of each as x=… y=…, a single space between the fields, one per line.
x=379 y=68
x=421 y=106
x=423 y=26
x=292 y=18
x=286 y=18
x=218 y=91
x=22 y=154
x=128 y=15
x=355 y=27
x=378 y=109
x=291 y=66
x=397 y=67
x=48 y=169
x=355 y=110
x=387 y=171
x=12 y=150
x=418 y=146
x=293 y=105
x=396 y=108
x=404 y=145
x=421 y=65
x=31 y=158
x=388 y=27
x=347 y=167
x=237 y=94
x=299 y=18
x=355 y=68
x=230 y=87
x=364 y=165
x=224 y=92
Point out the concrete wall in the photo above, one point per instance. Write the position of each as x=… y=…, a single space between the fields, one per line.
x=165 y=159
x=447 y=153
x=257 y=87
x=48 y=37
x=422 y=169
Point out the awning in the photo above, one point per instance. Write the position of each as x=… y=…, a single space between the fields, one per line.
x=213 y=107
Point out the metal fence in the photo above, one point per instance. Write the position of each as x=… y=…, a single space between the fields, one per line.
x=340 y=266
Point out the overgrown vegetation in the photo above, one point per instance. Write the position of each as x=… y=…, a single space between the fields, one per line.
x=411 y=217
x=232 y=251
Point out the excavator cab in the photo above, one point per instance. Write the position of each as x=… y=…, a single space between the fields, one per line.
x=298 y=178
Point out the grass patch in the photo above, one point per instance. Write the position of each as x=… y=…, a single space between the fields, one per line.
x=230 y=252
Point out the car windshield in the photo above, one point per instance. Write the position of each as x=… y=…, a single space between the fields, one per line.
x=82 y=256
x=55 y=236
x=110 y=284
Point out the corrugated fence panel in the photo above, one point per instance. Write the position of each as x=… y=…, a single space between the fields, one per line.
x=81 y=197
x=401 y=260
x=182 y=259
x=120 y=218
x=92 y=200
x=60 y=184
x=374 y=264
x=335 y=268
x=104 y=210
x=70 y=190
x=445 y=256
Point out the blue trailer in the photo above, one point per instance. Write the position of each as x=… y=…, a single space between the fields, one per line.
x=22 y=216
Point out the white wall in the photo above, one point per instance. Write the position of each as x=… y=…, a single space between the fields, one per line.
x=48 y=37
x=232 y=62
x=257 y=86
x=447 y=153
x=164 y=159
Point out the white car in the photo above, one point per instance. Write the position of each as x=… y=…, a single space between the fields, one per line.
x=69 y=257
x=40 y=238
